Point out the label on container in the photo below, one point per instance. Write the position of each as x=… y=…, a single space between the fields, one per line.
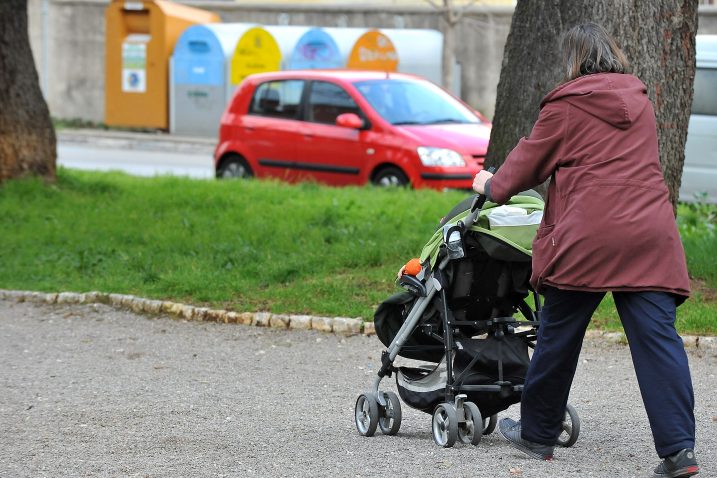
x=134 y=64
x=256 y=52
x=315 y=49
x=373 y=51
x=133 y=6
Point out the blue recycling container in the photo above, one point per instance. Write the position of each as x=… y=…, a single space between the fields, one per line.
x=315 y=49
x=199 y=77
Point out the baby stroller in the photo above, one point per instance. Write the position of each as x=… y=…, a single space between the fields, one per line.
x=459 y=314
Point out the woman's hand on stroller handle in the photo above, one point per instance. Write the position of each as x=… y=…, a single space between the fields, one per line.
x=479 y=200
x=481 y=178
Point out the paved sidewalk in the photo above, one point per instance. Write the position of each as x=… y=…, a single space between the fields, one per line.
x=88 y=390
x=149 y=141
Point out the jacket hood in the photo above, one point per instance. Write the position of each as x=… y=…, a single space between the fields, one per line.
x=618 y=99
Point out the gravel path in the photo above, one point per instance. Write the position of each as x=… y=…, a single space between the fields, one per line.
x=87 y=390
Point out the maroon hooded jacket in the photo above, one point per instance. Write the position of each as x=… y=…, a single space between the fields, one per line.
x=608 y=223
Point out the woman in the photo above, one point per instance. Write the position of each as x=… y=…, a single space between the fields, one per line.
x=608 y=226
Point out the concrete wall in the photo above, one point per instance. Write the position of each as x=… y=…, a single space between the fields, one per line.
x=73 y=67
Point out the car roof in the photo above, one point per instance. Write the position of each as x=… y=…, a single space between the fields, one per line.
x=349 y=76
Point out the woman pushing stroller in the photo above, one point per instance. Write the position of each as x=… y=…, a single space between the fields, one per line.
x=608 y=226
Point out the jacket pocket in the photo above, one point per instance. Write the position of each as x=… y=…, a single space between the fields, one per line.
x=543 y=254
x=543 y=231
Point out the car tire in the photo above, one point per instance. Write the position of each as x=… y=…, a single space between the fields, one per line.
x=390 y=177
x=234 y=167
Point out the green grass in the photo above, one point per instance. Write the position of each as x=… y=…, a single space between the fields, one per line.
x=74 y=123
x=695 y=317
x=698 y=227
x=245 y=246
x=78 y=123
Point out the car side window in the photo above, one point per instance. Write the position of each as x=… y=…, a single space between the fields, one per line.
x=327 y=101
x=277 y=99
x=704 y=101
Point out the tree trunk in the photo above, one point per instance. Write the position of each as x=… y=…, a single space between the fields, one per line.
x=658 y=38
x=27 y=138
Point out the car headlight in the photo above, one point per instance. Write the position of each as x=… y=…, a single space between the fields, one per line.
x=440 y=157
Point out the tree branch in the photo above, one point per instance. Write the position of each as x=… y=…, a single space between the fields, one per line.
x=455 y=14
x=434 y=4
x=467 y=6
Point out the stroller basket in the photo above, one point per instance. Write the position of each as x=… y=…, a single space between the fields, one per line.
x=424 y=388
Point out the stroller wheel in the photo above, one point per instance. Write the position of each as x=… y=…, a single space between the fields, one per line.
x=570 y=427
x=445 y=425
x=366 y=414
x=390 y=415
x=489 y=424
x=470 y=431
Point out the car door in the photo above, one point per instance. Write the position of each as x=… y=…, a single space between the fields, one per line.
x=329 y=153
x=699 y=174
x=271 y=129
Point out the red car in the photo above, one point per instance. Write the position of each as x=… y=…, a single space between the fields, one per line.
x=350 y=127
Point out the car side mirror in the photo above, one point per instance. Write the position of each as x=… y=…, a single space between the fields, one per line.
x=349 y=120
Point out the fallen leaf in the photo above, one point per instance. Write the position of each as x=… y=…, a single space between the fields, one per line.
x=516 y=472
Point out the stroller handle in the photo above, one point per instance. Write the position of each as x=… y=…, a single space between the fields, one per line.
x=476 y=206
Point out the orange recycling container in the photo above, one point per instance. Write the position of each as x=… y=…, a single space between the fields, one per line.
x=140 y=38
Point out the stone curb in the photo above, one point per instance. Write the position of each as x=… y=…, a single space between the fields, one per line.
x=337 y=325
x=691 y=341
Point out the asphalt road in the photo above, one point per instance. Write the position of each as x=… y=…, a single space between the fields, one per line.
x=138 y=162
x=86 y=390
x=151 y=154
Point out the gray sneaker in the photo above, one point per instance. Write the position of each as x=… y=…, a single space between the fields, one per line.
x=510 y=429
x=680 y=465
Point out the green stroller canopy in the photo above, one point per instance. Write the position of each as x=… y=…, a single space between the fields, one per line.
x=515 y=223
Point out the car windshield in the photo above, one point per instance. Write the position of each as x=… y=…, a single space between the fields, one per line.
x=406 y=102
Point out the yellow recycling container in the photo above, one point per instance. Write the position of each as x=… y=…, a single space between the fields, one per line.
x=262 y=49
x=140 y=38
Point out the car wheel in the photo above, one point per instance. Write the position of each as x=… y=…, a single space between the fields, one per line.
x=390 y=177
x=234 y=167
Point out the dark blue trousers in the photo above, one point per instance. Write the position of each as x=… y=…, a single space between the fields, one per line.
x=658 y=356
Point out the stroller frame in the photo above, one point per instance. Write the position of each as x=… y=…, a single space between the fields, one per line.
x=456 y=417
x=500 y=324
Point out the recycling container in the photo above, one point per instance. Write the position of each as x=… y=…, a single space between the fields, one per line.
x=199 y=77
x=140 y=38
x=364 y=49
x=315 y=49
x=263 y=49
x=426 y=61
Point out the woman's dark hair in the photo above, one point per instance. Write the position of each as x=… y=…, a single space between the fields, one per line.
x=588 y=49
